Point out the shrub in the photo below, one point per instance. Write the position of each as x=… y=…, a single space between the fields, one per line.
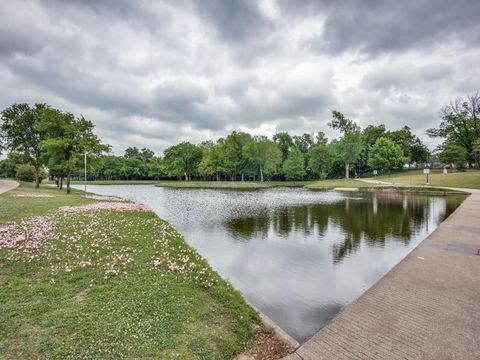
x=25 y=172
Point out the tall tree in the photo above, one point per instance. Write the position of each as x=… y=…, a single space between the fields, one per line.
x=386 y=155
x=460 y=124
x=182 y=159
x=66 y=139
x=235 y=159
x=451 y=153
x=284 y=142
x=320 y=159
x=20 y=133
x=263 y=155
x=350 y=145
x=294 y=166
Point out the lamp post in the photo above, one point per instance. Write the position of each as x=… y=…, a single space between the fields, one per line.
x=85 y=162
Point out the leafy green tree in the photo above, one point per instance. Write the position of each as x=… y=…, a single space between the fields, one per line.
x=263 y=155
x=476 y=151
x=460 y=124
x=411 y=145
x=155 y=168
x=386 y=155
x=321 y=158
x=9 y=164
x=182 y=159
x=210 y=165
x=20 y=133
x=350 y=145
x=284 y=142
x=453 y=154
x=294 y=166
x=235 y=160
x=303 y=142
x=66 y=139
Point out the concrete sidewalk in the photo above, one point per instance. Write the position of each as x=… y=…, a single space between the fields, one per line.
x=7 y=185
x=427 y=307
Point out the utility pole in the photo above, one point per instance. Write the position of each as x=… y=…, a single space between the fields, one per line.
x=85 y=162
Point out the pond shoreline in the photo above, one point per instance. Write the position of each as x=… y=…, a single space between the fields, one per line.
x=416 y=309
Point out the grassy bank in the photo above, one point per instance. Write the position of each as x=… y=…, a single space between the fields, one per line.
x=246 y=185
x=338 y=183
x=111 y=182
x=459 y=179
x=108 y=280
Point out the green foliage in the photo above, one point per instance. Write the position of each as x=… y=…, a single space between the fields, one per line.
x=294 y=167
x=453 y=154
x=476 y=151
x=182 y=160
x=386 y=155
x=8 y=165
x=460 y=124
x=349 y=147
x=65 y=141
x=20 y=133
x=321 y=158
x=235 y=160
x=25 y=172
x=284 y=142
x=263 y=155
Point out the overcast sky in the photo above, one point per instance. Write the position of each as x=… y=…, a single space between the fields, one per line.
x=152 y=73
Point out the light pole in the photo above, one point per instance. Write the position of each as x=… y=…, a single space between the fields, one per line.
x=85 y=162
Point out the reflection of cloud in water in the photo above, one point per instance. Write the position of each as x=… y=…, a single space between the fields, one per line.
x=298 y=255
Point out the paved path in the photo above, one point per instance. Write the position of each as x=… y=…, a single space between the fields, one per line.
x=427 y=307
x=7 y=185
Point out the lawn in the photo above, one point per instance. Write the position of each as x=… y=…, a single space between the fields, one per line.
x=338 y=183
x=246 y=185
x=110 y=182
x=460 y=179
x=85 y=279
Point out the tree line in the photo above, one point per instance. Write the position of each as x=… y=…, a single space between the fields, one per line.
x=40 y=137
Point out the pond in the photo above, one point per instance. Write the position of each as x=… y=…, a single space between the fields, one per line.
x=300 y=256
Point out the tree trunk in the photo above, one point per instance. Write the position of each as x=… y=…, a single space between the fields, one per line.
x=347 y=170
x=61 y=182
x=37 y=177
x=68 y=183
x=243 y=177
x=261 y=174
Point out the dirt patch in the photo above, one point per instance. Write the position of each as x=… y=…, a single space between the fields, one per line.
x=81 y=295
x=268 y=347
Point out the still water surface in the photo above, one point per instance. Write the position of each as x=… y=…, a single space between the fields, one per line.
x=300 y=256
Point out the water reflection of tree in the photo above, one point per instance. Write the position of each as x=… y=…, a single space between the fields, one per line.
x=245 y=228
x=372 y=218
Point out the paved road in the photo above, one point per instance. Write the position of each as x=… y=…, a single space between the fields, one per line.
x=427 y=307
x=7 y=185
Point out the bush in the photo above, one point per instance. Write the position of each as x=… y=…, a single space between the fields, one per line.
x=25 y=172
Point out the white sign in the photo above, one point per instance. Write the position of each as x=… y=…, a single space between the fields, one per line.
x=445 y=171
x=375 y=172
x=426 y=171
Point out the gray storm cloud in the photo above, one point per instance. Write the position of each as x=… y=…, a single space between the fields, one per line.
x=152 y=73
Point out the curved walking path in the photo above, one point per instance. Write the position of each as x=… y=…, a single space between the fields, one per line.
x=7 y=185
x=426 y=307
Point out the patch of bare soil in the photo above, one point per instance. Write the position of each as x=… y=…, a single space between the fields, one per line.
x=268 y=347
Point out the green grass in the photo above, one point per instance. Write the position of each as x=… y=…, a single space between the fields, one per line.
x=111 y=284
x=459 y=179
x=246 y=185
x=338 y=183
x=110 y=182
